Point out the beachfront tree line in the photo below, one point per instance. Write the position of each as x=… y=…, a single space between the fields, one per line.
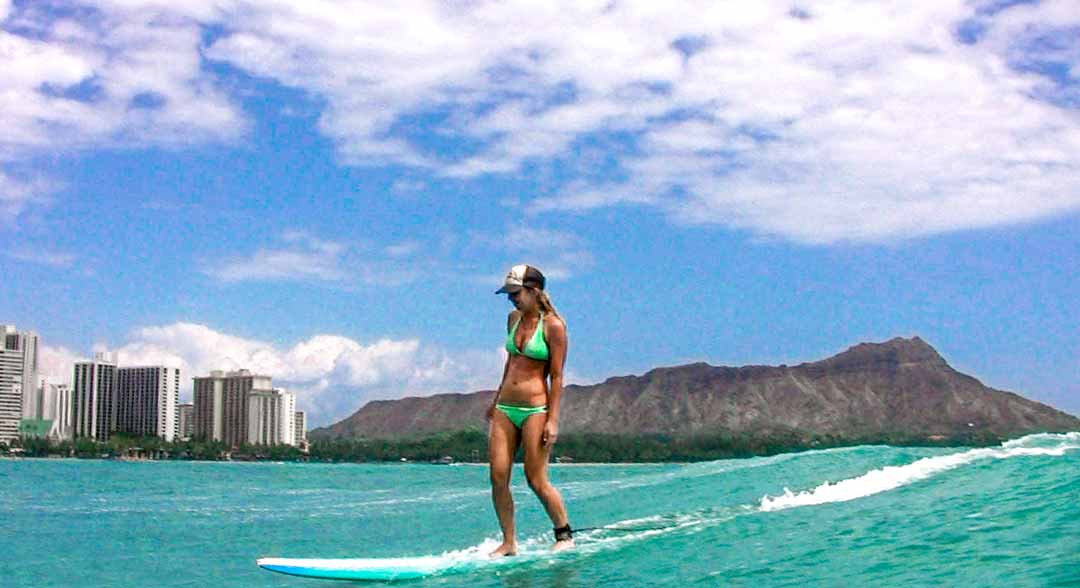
x=150 y=447
x=599 y=447
x=579 y=447
x=471 y=446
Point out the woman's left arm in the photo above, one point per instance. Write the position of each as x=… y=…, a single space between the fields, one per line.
x=555 y=332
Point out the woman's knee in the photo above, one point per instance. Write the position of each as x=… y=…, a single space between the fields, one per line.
x=500 y=478
x=537 y=479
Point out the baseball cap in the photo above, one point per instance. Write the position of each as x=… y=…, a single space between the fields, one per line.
x=522 y=275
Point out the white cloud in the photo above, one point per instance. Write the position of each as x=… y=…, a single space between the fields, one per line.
x=17 y=195
x=131 y=74
x=305 y=258
x=56 y=364
x=332 y=375
x=281 y=265
x=848 y=121
x=128 y=76
x=560 y=254
x=842 y=121
x=403 y=249
x=408 y=188
x=49 y=258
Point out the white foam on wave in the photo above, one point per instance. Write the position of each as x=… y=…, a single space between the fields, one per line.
x=688 y=471
x=892 y=477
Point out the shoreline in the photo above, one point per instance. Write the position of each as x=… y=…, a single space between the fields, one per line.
x=318 y=462
x=461 y=456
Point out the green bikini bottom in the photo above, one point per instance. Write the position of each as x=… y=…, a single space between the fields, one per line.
x=518 y=414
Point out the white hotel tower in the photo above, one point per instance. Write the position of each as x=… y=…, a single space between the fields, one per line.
x=271 y=418
x=18 y=379
x=54 y=404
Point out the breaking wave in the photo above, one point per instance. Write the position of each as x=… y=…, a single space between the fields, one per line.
x=892 y=477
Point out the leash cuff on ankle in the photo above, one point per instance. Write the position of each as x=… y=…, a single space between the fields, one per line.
x=563 y=533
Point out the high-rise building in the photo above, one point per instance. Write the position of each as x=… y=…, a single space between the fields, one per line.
x=300 y=426
x=187 y=421
x=222 y=405
x=93 y=397
x=208 y=404
x=18 y=379
x=56 y=407
x=34 y=406
x=271 y=417
x=146 y=399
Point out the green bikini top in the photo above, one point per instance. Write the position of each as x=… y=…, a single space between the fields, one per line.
x=535 y=348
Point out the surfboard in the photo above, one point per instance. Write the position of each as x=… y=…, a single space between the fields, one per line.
x=466 y=560
x=382 y=569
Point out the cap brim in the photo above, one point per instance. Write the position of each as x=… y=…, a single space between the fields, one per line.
x=507 y=289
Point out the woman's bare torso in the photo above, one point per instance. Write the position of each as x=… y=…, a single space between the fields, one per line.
x=526 y=378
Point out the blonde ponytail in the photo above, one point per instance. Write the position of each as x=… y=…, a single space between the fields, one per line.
x=546 y=305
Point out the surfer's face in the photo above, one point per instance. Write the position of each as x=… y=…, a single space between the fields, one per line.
x=524 y=299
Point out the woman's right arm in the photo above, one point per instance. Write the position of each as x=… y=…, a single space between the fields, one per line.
x=495 y=400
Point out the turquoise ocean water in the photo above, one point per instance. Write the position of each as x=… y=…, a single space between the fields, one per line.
x=861 y=516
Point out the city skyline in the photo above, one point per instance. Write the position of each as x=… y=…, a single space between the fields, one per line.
x=103 y=398
x=329 y=193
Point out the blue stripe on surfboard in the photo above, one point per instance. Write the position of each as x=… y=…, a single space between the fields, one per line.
x=345 y=574
x=358 y=569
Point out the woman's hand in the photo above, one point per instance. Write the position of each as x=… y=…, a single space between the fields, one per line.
x=551 y=433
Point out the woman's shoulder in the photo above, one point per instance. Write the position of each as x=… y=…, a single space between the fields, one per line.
x=554 y=321
x=512 y=318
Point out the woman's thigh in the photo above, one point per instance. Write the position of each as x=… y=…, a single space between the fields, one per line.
x=503 y=441
x=537 y=454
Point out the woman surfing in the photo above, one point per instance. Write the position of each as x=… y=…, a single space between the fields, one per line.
x=525 y=410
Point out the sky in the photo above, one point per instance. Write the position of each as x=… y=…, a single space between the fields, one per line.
x=330 y=192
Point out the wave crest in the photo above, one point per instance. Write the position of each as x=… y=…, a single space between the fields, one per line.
x=892 y=477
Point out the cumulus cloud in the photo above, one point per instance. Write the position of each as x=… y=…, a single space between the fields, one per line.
x=332 y=375
x=844 y=121
x=56 y=363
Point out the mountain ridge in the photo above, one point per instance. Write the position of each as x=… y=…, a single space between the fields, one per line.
x=902 y=386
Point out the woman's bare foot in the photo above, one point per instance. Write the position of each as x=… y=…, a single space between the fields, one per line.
x=563 y=545
x=504 y=549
